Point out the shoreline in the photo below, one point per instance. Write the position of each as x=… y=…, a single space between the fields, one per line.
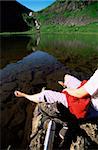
x=59 y=29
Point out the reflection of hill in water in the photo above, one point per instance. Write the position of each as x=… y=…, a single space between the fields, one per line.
x=16 y=48
x=38 y=64
x=78 y=52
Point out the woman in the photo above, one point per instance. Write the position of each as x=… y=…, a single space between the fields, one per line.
x=77 y=96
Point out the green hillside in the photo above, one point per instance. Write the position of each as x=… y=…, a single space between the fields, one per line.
x=66 y=16
x=66 y=12
x=74 y=14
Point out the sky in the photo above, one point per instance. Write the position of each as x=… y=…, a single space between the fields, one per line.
x=36 y=5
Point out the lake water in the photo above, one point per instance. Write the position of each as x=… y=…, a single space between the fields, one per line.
x=35 y=58
x=29 y=63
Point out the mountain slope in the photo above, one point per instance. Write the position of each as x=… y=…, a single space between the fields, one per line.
x=11 y=18
x=70 y=12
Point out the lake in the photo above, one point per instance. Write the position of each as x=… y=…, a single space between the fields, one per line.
x=35 y=58
x=29 y=63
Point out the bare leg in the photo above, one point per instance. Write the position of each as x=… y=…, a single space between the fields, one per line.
x=70 y=82
x=33 y=98
x=49 y=95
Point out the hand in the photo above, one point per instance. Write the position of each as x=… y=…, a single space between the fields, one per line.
x=61 y=83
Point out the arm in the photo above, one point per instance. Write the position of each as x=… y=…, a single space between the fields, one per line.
x=89 y=88
x=79 y=93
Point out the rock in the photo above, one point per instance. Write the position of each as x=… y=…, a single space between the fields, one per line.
x=88 y=138
x=8 y=86
x=16 y=124
x=27 y=76
x=81 y=135
x=92 y=130
x=4 y=96
x=39 y=78
x=17 y=112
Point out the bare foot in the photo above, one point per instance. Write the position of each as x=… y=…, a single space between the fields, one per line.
x=18 y=94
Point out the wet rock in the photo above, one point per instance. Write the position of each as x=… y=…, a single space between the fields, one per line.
x=4 y=77
x=39 y=78
x=27 y=76
x=4 y=96
x=8 y=86
x=28 y=125
x=16 y=122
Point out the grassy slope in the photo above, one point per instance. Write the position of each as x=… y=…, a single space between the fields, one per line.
x=50 y=13
x=87 y=29
x=89 y=12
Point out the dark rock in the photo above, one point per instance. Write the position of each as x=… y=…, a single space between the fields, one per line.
x=27 y=76
x=16 y=123
x=4 y=96
x=8 y=86
x=39 y=78
x=88 y=138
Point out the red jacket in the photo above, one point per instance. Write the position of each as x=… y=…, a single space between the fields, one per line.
x=78 y=106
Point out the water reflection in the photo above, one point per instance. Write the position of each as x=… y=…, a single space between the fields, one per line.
x=32 y=71
x=14 y=48
x=28 y=69
x=78 y=52
x=33 y=43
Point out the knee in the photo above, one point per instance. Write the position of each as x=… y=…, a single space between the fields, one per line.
x=67 y=77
